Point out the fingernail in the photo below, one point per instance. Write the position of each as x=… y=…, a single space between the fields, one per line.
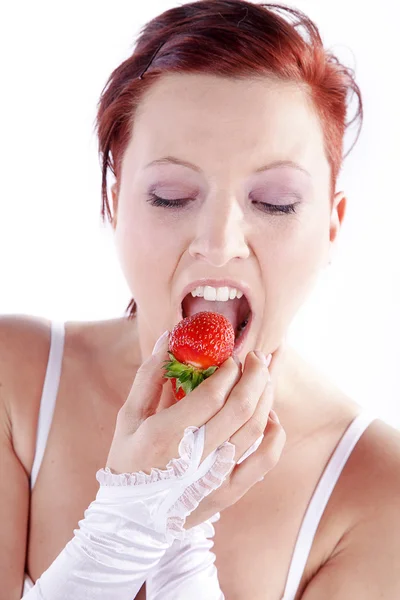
x=266 y=359
x=274 y=416
x=160 y=342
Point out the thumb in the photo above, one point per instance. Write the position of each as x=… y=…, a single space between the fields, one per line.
x=147 y=387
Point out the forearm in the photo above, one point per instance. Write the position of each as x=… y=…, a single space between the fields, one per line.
x=187 y=569
x=108 y=558
x=131 y=524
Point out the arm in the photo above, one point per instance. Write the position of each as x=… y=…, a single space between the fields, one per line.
x=131 y=524
x=187 y=569
x=366 y=564
x=366 y=561
x=14 y=507
x=112 y=551
x=18 y=337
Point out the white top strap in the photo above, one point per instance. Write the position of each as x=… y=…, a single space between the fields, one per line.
x=49 y=395
x=320 y=500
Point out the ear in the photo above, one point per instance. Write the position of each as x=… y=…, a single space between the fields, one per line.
x=336 y=220
x=115 y=204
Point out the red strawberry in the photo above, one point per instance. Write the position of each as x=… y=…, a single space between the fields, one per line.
x=198 y=345
x=179 y=394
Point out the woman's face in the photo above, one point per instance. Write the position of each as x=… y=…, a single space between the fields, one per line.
x=228 y=130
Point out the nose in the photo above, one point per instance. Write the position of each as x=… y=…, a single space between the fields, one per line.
x=220 y=233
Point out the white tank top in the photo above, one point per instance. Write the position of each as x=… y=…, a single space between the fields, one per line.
x=317 y=503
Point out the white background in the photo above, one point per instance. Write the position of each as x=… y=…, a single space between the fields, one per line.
x=58 y=261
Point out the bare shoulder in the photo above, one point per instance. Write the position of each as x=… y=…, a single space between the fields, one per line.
x=374 y=467
x=24 y=344
x=358 y=543
x=366 y=559
x=24 y=349
x=24 y=353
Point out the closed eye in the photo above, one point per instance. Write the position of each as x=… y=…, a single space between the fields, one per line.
x=155 y=200
x=280 y=208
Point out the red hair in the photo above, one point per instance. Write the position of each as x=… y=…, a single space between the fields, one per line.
x=227 y=38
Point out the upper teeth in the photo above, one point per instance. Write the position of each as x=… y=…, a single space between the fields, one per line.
x=221 y=294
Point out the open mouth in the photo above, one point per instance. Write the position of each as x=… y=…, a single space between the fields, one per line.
x=237 y=311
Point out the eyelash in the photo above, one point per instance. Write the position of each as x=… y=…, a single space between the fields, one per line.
x=273 y=208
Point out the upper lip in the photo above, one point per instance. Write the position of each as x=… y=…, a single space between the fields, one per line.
x=225 y=282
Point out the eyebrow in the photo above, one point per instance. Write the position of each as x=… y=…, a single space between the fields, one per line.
x=274 y=165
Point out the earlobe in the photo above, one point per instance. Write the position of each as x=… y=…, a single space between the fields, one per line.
x=341 y=203
x=337 y=214
x=336 y=221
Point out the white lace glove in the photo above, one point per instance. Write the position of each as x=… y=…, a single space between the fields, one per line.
x=131 y=524
x=187 y=569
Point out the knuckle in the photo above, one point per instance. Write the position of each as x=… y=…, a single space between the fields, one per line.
x=213 y=502
x=121 y=414
x=217 y=401
x=282 y=437
x=224 y=495
x=233 y=492
x=146 y=369
x=142 y=370
x=126 y=419
x=143 y=375
x=215 y=396
x=218 y=387
x=244 y=406
x=269 y=387
x=275 y=451
x=256 y=427
x=153 y=439
x=274 y=457
x=149 y=425
x=150 y=430
x=231 y=365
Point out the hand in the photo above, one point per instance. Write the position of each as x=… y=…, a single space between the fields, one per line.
x=253 y=468
x=232 y=406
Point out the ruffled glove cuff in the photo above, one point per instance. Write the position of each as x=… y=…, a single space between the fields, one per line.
x=171 y=494
x=131 y=524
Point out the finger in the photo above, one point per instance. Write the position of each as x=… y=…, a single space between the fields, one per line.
x=240 y=405
x=145 y=393
x=249 y=472
x=243 y=476
x=250 y=435
x=277 y=360
x=251 y=431
x=204 y=401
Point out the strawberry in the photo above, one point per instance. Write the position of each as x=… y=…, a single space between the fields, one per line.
x=198 y=345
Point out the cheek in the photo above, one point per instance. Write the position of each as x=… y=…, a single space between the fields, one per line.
x=145 y=252
x=293 y=267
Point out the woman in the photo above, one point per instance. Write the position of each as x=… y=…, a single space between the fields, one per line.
x=224 y=131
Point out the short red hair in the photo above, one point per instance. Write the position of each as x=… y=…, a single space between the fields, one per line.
x=227 y=38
